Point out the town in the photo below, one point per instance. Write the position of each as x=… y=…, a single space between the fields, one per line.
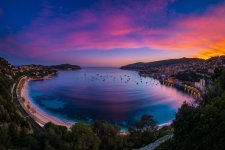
x=190 y=74
x=34 y=71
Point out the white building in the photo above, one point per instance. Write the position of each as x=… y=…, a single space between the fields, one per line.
x=210 y=70
x=200 y=84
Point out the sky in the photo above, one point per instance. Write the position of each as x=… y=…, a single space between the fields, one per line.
x=110 y=32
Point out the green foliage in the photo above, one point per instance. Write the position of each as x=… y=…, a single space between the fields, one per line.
x=144 y=131
x=16 y=132
x=201 y=127
x=109 y=135
x=83 y=137
x=165 y=130
x=56 y=137
x=188 y=76
x=5 y=141
x=217 y=88
x=12 y=125
x=217 y=73
x=65 y=67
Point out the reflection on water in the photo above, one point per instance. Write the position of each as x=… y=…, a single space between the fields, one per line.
x=118 y=96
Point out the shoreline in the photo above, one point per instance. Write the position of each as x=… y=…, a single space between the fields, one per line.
x=197 y=96
x=35 y=112
x=42 y=117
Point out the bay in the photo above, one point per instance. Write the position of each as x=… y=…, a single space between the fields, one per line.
x=111 y=94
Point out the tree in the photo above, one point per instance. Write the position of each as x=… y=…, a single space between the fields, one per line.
x=144 y=131
x=201 y=127
x=186 y=119
x=56 y=137
x=4 y=138
x=147 y=122
x=217 y=88
x=83 y=137
x=109 y=135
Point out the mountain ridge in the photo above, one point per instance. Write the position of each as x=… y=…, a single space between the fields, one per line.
x=160 y=63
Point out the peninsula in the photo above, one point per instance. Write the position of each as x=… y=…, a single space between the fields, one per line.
x=193 y=75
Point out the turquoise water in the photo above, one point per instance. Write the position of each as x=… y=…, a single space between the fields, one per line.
x=117 y=96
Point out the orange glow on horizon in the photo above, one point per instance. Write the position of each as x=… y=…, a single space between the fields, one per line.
x=216 y=50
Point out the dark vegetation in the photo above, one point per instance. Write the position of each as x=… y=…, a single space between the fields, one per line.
x=161 y=63
x=65 y=67
x=39 y=71
x=201 y=127
x=17 y=133
x=189 y=76
x=195 y=127
x=12 y=124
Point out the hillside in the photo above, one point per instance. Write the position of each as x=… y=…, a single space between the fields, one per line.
x=199 y=126
x=203 y=126
x=65 y=67
x=12 y=124
x=17 y=131
x=161 y=63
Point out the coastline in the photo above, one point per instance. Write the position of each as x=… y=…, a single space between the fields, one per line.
x=35 y=112
x=165 y=124
x=42 y=117
x=196 y=93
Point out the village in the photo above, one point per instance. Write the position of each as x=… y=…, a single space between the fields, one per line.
x=193 y=76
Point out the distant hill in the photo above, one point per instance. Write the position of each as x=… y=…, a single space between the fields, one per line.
x=6 y=69
x=65 y=67
x=161 y=63
x=10 y=118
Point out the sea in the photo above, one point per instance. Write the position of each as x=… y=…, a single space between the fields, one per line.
x=117 y=96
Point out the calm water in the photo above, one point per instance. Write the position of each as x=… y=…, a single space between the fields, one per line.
x=118 y=96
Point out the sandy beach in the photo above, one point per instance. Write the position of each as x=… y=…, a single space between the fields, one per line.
x=36 y=113
x=42 y=117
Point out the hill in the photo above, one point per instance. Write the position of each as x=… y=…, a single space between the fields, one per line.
x=65 y=67
x=161 y=63
x=196 y=126
x=12 y=124
x=17 y=131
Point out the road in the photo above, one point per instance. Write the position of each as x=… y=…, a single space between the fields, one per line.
x=155 y=144
x=35 y=126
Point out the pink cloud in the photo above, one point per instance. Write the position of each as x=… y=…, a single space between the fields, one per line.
x=77 y=31
x=111 y=28
x=202 y=33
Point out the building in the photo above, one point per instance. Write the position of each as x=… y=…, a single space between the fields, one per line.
x=200 y=85
x=211 y=70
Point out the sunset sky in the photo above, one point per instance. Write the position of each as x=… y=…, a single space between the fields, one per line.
x=110 y=32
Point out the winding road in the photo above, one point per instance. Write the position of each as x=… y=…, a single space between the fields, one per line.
x=155 y=144
x=35 y=126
